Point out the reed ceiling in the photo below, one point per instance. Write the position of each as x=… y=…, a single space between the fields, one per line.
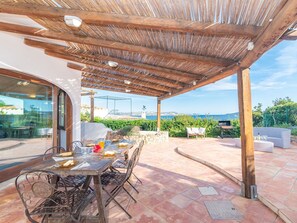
x=163 y=48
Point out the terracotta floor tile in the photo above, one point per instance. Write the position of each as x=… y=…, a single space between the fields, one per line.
x=169 y=192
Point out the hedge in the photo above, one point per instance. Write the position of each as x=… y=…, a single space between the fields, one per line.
x=176 y=126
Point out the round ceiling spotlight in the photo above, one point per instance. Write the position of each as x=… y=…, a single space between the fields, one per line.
x=127 y=82
x=127 y=90
x=250 y=46
x=72 y=21
x=112 y=64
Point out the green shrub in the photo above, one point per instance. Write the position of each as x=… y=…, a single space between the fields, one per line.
x=176 y=127
x=294 y=132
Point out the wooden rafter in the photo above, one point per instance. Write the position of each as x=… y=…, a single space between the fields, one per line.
x=115 y=89
x=273 y=32
x=270 y=36
x=117 y=84
x=97 y=72
x=113 y=45
x=162 y=72
x=213 y=78
x=97 y=18
x=158 y=80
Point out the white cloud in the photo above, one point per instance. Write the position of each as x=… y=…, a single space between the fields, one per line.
x=223 y=85
x=281 y=69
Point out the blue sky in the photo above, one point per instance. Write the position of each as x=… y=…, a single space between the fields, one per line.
x=273 y=76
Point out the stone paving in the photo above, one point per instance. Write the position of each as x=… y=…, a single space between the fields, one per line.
x=276 y=173
x=170 y=190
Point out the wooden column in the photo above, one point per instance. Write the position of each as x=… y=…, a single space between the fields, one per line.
x=246 y=130
x=159 y=115
x=92 y=106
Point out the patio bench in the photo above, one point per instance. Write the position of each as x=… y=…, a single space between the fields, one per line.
x=195 y=132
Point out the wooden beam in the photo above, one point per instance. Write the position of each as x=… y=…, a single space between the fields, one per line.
x=246 y=130
x=114 y=89
x=160 y=81
x=158 y=115
x=142 y=22
x=7 y=27
x=139 y=82
x=211 y=79
x=273 y=32
x=180 y=76
x=113 y=83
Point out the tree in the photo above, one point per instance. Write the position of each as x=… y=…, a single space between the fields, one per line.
x=258 y=115
x=282 y=101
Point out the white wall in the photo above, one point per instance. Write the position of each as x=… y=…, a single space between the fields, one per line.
x=14 y=54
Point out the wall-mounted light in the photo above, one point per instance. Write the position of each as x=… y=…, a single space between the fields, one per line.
x=112 y=64
x=127 y=82
x=72 y=21
x=250 y=46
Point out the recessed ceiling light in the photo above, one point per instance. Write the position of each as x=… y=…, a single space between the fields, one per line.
x=72 y=21
x=194 y=83
x=127 y=90
x=127 y=82
x=112 y=64
x=169 y=93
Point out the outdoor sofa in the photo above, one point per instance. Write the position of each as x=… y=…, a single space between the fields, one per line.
x=279 y=136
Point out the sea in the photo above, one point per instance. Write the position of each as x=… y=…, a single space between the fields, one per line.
x=223 y=117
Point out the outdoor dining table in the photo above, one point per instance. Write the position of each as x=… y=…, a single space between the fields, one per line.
x=96 y=165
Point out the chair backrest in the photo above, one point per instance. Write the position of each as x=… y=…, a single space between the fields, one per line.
x=139 y=151
x=132 y=163
x=49 y=153
x=39 y=194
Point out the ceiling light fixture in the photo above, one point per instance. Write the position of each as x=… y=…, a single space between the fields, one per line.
x=112 y=64
x=250 y=46
x=72 y=21
x=23 y=83
x=169 y=93
x=194 y=83
x=127 y=82
x=127 y=90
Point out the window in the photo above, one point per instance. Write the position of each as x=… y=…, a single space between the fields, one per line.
x=26 y=114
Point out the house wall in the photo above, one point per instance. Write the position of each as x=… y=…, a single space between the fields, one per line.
x=15 y=55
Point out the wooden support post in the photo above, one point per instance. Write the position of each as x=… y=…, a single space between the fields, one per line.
x=159 y=115
x=92 y=106
x=246 y=130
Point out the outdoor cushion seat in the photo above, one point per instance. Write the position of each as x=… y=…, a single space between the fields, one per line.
x=195 y=132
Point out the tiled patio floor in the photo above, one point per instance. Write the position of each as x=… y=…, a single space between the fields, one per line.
x=276 y=173
x=169 y=192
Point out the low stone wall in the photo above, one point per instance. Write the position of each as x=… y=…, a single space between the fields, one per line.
x=150 y=137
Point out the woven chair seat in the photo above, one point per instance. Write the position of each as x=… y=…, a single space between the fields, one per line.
x=57 y=204
x=112 y=178
x=73 y=181
x=121 y=164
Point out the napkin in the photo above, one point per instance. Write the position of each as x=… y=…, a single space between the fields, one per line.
x=81 y=166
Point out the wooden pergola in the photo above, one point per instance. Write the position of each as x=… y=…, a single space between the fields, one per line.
x=161 y=48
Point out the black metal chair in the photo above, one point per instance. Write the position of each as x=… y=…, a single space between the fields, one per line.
x=122 y=164
x=116 y=181
x=44 y=201
x=70 y=181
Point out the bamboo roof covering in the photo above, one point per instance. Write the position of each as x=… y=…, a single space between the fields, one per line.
x=162 y=48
